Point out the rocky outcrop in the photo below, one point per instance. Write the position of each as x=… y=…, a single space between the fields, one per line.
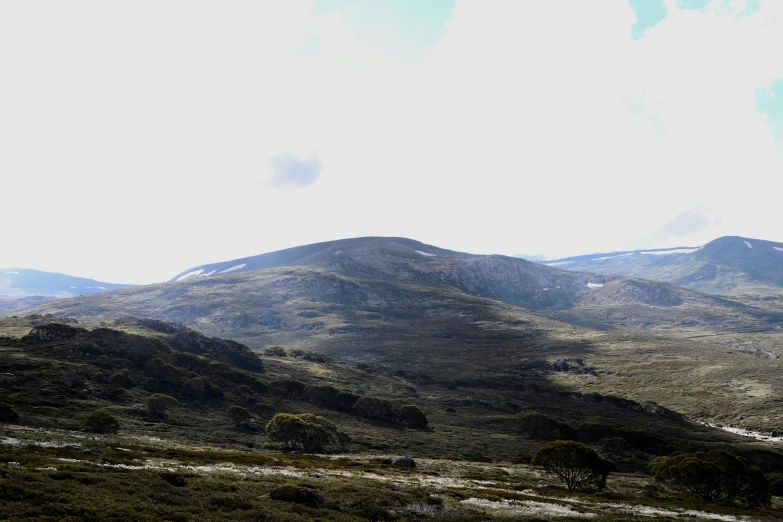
x=403 y=462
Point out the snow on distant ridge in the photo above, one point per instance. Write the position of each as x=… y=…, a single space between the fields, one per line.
x=672 y=251
x=427 y=254
x=97 y=287
x=236 y=267
x=207 y=274
x=748 y=244
x=611 y=257
x=595 y=285
x=12 y=273
x=778 y=248
x=559 y=263
x=194 y=273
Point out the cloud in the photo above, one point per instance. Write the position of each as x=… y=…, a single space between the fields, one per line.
x=687 y=223
x=291 y=172
x=546 y=117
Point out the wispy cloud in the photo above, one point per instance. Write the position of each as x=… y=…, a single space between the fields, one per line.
x=291 y=172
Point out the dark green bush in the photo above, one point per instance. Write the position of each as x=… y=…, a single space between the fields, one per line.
x=120 y=378
x=310 y=432
x=239 y=415
x=412 y=416
x=159 y=403
x=288 y=388
x=375 y=408
x=101 y=422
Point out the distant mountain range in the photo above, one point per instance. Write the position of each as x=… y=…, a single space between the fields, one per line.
x=324 y=290
x=729 y=265
x=23 y=282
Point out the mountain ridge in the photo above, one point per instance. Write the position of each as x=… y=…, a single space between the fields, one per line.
x=27 y=282
x=728 y=265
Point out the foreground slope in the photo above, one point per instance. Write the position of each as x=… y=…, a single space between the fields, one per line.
x=729 y=265
x=194 y=463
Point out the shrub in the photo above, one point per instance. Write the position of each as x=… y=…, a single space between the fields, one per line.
x=412 y=416
x=239 y=415
x=101 y=422
x=715 y=477
x=243 y=392
x=579 y=466
x=541 y=426
x=162 y=370
x=201 y=388
x=288 y=388
x=260 y=387
x=330 y=397
x=119 y=378
x=374 y=408
x=194 y=388
x=275 y=351
x=8 y=414
x=159 y=403
x=775 y=481
x=311 y=432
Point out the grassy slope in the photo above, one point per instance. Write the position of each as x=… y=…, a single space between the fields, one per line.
x=477 y=451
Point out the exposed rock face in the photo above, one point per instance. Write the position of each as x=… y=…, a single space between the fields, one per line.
x=403 y=462
x=298 y=495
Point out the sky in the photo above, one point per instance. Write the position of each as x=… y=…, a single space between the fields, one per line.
x=141 y=138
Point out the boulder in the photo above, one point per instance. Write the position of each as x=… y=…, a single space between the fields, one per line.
x=298 y=495
x=404 y=462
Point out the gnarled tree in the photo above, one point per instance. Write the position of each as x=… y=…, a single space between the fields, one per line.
x=716 y=477
x=576 y=464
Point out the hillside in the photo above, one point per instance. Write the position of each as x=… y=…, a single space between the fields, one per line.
x=732 y=266
x=464 y=316
x=23 y=282
x=193 y=462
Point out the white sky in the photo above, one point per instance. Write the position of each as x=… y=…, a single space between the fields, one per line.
x=139 y=138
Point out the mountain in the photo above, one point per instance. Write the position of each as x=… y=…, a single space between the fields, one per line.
x=470 y=318
x=500 y=354
x=23 y=282
x=263 y=295
x=729 y=265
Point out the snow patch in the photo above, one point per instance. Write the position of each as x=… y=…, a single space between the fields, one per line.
x=559 y=263
x=778 y=248
x=427 y=254
x=97 y=287
x=194 y=273
x=611 y=257
x=207 y=274
x=74 y=287
x=12 y=273
x=236 y=267
x=745 y=433
x=338 y=252
x=672 y=251
x=526 y=507
x=595 y=285
x=748 y=244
